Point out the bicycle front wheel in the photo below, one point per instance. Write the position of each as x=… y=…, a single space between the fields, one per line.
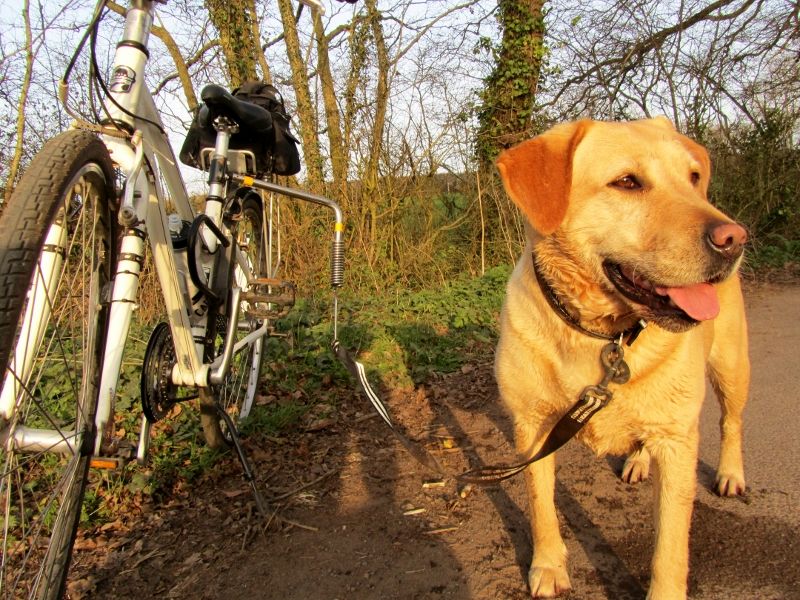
x=57 y=245
x=235 y=395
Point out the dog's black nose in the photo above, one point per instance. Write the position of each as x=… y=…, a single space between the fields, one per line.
x=727 y=238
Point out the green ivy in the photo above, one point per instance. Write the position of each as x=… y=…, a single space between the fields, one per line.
x=505 y=115
x=401 y=337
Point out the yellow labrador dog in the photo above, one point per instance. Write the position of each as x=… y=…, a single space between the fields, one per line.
x=620 y=231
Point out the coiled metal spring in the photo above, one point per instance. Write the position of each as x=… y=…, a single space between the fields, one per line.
x=337 y=261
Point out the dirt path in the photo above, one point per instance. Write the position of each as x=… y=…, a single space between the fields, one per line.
x=357 y=520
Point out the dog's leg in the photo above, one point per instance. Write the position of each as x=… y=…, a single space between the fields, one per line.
x=548 y=573
x=729 y=372
x=730 y=385
x=637 y=466
x=674 y=495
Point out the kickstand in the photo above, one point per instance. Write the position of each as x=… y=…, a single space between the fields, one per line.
x=249 y=475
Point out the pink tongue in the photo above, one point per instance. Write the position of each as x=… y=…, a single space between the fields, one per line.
x=699 y=301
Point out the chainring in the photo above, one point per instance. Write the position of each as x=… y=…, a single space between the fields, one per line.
x=159 y=394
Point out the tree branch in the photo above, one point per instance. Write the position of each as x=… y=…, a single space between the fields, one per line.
x=638 y=50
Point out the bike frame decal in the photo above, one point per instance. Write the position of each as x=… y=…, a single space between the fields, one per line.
x=122 y=80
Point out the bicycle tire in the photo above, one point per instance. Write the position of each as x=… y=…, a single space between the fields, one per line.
x=58 y=235
x=235 y=395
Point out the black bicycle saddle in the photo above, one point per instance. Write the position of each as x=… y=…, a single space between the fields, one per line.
x=220 y=102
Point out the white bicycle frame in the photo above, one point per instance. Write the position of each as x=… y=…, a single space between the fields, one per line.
x=143 y=201
x=145 y=160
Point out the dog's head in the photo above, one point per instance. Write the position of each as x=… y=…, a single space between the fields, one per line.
x=625 y=204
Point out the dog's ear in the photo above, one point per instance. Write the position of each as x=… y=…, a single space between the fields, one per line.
x=537 y=174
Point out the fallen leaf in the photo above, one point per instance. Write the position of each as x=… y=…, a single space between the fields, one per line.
x=85 y=544
x=320 y=424
x=193 y=559
x=233 y=493
x=81 y=588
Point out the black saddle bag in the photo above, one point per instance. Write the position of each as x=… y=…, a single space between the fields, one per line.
x=275 y=153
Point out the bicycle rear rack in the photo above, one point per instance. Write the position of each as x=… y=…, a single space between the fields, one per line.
x=337 y=247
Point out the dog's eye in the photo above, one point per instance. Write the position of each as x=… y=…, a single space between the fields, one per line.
x=629 y=182
x=695 y=177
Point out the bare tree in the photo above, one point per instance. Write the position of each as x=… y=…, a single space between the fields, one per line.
x=306 y=110
x=617 y=60
x=17 y=89
x=386 y=91
x=30 y=53
x=338 y=152
x=181 y=65
x=726 y=73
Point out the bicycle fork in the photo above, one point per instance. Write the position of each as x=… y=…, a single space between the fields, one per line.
x=123 y=302
x=189 y=369
x=37 y=316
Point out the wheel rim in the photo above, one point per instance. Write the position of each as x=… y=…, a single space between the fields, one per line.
x=237 y=392
x=52 y=378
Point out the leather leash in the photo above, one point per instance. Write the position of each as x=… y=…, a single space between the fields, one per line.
x=592 y=399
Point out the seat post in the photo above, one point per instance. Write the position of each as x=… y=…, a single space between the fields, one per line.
x=217 y=174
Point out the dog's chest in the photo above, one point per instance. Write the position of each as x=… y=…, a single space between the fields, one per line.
x=658 y=402
x=543 y=367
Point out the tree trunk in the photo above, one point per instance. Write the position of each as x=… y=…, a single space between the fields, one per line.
x=261 y=59
x=233 y=21
x=335 y=141
x=306 y=111
x=507 y=101
x=370 y=179
x=358 y=57
x=381 y=91
x=30 y=54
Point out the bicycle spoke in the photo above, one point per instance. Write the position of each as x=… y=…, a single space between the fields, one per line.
x=50 y=383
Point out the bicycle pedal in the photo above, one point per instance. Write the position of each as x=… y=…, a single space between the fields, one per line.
x=269 y=298
x=116 y=453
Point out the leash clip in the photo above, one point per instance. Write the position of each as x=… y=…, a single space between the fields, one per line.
x=616 y=369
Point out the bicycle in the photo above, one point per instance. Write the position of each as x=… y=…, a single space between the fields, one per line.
x=75 y=235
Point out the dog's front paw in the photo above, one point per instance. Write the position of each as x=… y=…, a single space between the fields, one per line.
x=637 y=466
x=548 y=582
x=668 y=592
x=729 y=484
